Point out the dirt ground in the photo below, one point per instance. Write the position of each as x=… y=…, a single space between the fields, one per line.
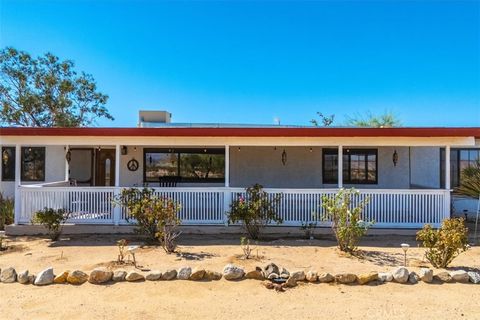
x=245 y=299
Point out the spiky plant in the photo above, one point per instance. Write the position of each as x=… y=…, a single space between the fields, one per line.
x=470 y=181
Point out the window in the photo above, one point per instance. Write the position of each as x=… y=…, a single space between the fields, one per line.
x=459 y=160
x=186 y=165
x=33 y=164
x=359 y=166
x=8 y=164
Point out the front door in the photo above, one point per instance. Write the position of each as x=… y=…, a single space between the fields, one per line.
x=105 y=168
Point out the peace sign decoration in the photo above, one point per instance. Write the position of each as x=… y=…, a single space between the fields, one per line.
x=132 y=165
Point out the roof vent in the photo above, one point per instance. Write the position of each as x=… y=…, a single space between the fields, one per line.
x=153 y=118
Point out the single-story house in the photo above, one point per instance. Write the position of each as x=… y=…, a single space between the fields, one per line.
x=407 y=173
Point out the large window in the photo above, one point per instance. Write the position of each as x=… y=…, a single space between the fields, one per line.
x=459 y=160
x=184 y=165
x=8 y=163
x=33 y=164
x=359 y=166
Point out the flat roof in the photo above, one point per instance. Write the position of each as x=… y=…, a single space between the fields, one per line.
x=247 y=132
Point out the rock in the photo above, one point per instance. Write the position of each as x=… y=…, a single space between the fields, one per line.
x=443 y=277
x=325 y=277
x=184 y=273
x=133 y=276
x=459 y=276
x=197 y=274
x=367 y=277
x=268 y=284
x=154 y=275
x=294 y=278
x=474 y=277
x=119 y=275
x=44 y=277
x=77 y=277
x=232 y=272
x=270 y=268
x=212 y=275
x=345 y=278
x=413 y=278
x=61 y=278
x=401 y=274
x=273 y=275
x=23 y=277
x=426 y=275
x=311 y=276
x=170 y=274
x=284 y=274
x=385 y=277
x=100 y=275
x=8 y=275
x=256 y=274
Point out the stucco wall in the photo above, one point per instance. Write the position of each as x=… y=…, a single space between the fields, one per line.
x=425 y=167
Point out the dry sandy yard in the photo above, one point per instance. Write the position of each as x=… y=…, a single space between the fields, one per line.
x=246 y=299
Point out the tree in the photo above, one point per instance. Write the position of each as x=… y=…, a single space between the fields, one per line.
x=325 y=120
x=385 y=120
x=47 y=92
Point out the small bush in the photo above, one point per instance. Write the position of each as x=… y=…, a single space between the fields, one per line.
x=122 y=250
x=445 y=244
x=52 y=220
x=6 y=211
x=155 y=217
x=346 y=219
x=255 y=210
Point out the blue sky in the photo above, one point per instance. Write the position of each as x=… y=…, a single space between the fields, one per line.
x=249 y=62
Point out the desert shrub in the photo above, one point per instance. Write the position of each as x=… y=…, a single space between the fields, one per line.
x=52 y=220
x=345 y=214
x=445 y=244
x=156 y=217
x=6 y=211
x=247 y=250
x=255 y=210
x=122 y=250
x=470 y=181
x=308 y=227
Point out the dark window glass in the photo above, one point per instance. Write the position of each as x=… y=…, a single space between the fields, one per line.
x=359 y=166
x=33 y=163
x=186 y=165
x=460 y=159
x=8 y=163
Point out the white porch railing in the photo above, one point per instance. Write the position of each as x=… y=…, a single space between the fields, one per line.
x=389 y=208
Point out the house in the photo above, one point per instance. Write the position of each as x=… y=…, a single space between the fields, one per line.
x=407 y=173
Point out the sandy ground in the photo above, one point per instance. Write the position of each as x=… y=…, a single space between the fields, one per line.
x=246 y=299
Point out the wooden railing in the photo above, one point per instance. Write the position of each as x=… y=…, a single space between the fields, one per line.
x=389 y=208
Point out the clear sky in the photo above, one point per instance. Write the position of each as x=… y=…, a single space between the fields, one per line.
x=249 y=62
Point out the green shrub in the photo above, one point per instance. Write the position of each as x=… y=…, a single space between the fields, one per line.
x=255 y=210
x=52 y=220
x=445 y=244
x=346 y=218
x=155 y=217
x=6 y=211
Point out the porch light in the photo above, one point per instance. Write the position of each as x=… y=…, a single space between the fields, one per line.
x=239 y=149
x=284 y=157
x=124 y=150
x=395 y=158
x=68 y=156
x=311 y=150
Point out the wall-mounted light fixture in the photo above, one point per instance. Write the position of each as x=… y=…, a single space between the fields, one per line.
x=284 y=157
x=395 y=158
x=124 y=150
x=68 y=156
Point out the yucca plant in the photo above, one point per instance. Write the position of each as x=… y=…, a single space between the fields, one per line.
x=470 y=181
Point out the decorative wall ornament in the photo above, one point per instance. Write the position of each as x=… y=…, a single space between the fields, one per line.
x=132 y=165
x=284 y=157
x=395 y=158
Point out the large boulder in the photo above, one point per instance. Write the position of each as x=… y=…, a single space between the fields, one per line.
x=401 y=274
x=270 y=268
x=154 y=275
x=443 y=277
x=325 y=277
x=212 y=275
x=385 y=276
x=474 y=277
x=197 y=274
x=119 y=275
x=61 y=278
x=311 y=276
x=426 y=275
x=459 y=276
x=24 y=277
x=100 y=275
x=170 y=274
x=77 y=277
x=365 y=278
x=44 y=277
x=413 y=278
x=294 y=278
x=232 y=272
x=184 y=273
x=345 y=278
x=134 y=276
x=256 y=274
x=8 y=275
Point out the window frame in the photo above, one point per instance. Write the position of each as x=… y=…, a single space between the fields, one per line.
x=458 y=171
x=347 y=177
x=22 y=172
x=12 y=159
x=178 y=152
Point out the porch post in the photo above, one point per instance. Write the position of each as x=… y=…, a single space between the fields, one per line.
x=67 y=165
x=116 y=209
x=226 y=194
x=447 y=182
x=340 y=167
x=18 y=201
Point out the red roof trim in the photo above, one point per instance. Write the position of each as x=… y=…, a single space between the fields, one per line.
x=245 y=132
